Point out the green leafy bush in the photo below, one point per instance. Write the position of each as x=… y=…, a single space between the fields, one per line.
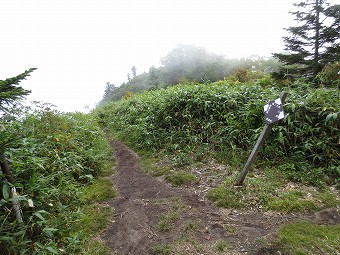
x=330 y=75
x=226 y=119
x=52 y=155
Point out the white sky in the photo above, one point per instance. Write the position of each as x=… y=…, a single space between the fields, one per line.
x=79 y=45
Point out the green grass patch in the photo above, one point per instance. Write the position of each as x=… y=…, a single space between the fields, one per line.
x=190 y=227
x=305 y=238
x=151 y=166
x=94 y=218
x=95 y=247
x=168 y=219
x=328 y=199
x=292 y=202
x=221 y=245
x=53 y=157
x=257 y=190
x=270 y=191
x=155 y=167
x=99 y=191
x=107 y=167
x=180 y=178
x=227 y=197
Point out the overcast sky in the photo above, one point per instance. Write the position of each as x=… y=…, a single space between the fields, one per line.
x=79 y=45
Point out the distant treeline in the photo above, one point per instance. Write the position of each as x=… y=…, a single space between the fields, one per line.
x=186 y=64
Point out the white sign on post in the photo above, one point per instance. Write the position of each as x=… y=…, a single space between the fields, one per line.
x=273 y=111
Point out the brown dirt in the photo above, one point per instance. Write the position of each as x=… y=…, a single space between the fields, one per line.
x=151 y=216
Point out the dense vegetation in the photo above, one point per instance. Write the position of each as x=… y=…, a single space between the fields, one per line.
x=191 y=124
x=225 y=118
x=53 y=157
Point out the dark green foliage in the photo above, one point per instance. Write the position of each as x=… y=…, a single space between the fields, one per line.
x=135 y=85
x=10 y=92
x=52 y=155
x=226 y=119
x=314 y=42
x=330 y=75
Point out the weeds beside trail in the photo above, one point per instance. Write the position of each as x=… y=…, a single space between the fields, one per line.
x=56 y=160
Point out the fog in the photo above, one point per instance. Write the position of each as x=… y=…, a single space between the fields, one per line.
x=79 y=46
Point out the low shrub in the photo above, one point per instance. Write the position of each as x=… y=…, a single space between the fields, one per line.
x=52 y=157
x=225 y=118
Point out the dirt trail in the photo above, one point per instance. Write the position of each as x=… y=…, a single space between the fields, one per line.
x=151 y=217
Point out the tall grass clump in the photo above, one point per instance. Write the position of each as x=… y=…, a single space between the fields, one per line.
x=52 y=156
x=226 y=118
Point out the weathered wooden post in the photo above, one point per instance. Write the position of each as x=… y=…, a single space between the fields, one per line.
x=273 y=112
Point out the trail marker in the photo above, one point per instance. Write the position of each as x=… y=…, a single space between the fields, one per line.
x=273 y=112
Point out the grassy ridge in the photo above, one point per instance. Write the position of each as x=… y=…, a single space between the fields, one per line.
x=226 y=119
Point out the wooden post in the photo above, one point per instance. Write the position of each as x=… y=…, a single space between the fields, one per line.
x=257 y=147
x=6 y=170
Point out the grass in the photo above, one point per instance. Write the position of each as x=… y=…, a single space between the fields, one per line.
x=107 y=167
x=306 y=238
x=270 y=191
x=168 y=219
x=95 y=247
x=221 y=245
x=292 y=202
x=190 y=227
x=100 y=190
x=230 y=228
x=96 y=217
x=172 y=175
x=227 y=197
x=180 y=246
x=180 y=178
x=161 y=249
x=222 y=117
x=149 y=164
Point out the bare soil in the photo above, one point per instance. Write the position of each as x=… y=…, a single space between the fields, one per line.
x=151 y=217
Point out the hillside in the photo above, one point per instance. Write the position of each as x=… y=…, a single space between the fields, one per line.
x=226 y=118
x=190 y=64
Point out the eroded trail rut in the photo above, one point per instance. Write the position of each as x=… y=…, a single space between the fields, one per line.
x=151 y=217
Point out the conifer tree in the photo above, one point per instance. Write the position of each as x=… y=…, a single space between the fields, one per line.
x=134 y=71
x=315 y=41
x=10 y=91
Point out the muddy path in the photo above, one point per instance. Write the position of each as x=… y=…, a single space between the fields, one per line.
x=151 y=217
